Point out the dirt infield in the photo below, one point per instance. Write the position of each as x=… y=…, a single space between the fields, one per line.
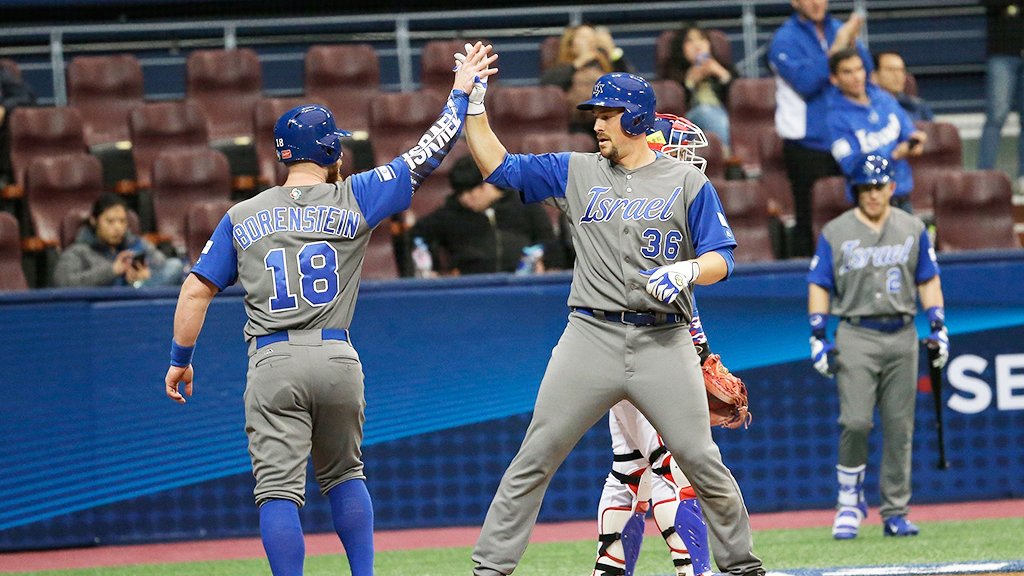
x=316 y=544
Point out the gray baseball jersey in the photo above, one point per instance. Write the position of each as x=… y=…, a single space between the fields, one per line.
x=869 y=273
x=624 y=221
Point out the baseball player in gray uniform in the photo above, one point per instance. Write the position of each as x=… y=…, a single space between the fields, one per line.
x=645 y=228
x=866 y=267
x=297 y=250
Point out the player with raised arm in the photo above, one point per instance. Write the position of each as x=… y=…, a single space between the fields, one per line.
x=298 y=250
x=645 y=228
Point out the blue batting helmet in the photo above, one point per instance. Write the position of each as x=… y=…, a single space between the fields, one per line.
x=308 y=133
x=629 y=91
x=869 y=170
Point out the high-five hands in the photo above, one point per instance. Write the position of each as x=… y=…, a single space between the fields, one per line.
x=477 y=59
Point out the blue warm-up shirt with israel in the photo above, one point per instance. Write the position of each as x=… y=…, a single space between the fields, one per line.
x=870 y=273
x=800 y=61
x=298 y=251
x=857 y=129
x=624 y=221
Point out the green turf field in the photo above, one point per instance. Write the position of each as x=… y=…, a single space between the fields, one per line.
x=803 y=548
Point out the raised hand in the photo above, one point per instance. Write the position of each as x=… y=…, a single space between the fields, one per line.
x=474 y=67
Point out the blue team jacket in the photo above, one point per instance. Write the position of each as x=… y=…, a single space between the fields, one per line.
x=859 y=129
x=800 y=62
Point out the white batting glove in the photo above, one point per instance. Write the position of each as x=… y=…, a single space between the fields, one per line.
x=823 y=356
x=666 y=282
x=476 y=96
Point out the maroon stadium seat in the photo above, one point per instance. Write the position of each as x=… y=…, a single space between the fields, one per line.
x=56 y=185
x=200 y=222
x=226 y=85
x=346 y=79
x=828 y=200
x=182 y=178
x=105 y=89
x=670 y=96
x=973 y=211
x=747 y=210
x=751 y=109
x=436 y=63
x=558 y=142
x=39 y=132
x=774 y=181
x=943 y=149
x=12 y=275
x=714 y=153
x=397 y=120
x=161 y=126
x=517 y=112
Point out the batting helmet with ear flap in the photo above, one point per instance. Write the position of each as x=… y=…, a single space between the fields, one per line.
x=627 y=91
x=308 y=133
x=677 y=137
x=871 y=170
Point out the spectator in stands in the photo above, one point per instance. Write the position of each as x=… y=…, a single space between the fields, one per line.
x=13 y=93
x=584 y=54
x=865 y=119
x=891 y=75
x=1005 y=73
x=106 y=253
x=798 y=55
x=705 y=80
x=482 y=228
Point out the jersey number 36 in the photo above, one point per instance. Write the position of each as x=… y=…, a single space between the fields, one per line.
x=318 y=276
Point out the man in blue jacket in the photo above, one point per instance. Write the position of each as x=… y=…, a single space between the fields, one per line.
x=865 y=119
x=799 y=57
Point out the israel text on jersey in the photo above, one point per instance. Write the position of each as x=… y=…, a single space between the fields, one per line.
x=856 y=257
x=603 y=209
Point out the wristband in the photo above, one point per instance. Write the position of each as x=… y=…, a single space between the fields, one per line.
x=181 y=356
x=936 y=317
x=818 y=323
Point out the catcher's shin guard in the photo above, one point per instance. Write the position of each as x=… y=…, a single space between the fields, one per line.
x=622 y=533
x=690 y=526
x=664 y=516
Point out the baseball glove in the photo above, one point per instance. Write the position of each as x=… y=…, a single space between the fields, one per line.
x=727 y=396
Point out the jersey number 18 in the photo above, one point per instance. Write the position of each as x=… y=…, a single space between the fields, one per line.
x=318 y=276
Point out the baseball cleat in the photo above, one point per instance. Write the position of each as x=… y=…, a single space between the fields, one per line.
x=900 y=526
x=847 y=521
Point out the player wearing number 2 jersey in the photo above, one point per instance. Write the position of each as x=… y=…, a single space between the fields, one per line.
x=645 y=228
x=297 y=250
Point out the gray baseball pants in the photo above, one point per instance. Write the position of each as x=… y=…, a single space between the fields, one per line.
x=303 y=396
x=595 y=365
x=878 y=368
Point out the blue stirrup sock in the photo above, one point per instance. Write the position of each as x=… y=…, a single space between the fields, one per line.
x=352 y=513
x=282 y=537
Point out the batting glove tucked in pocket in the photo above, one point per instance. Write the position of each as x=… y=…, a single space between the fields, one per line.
x=666 y=282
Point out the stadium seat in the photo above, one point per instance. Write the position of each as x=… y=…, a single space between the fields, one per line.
x=517 y=112
x=922 y=196
x=398 y=119
x=714 y=153
x=226 y=85
x=431 y=195
x=943 y=149
x=973 y=211
x=201 y=220
x=12 y=275
x=105 y=89
x=751 y=108
x=828 y=200
x=547 y=53
x=721 y=49
x=182 y=178
x=161 y=126
x=56 y=185
x=747 y=211
x=671 y=97
x=37 y=132
x=379 y=261
x=436 y=62
x=774 y=181
x=346 y=79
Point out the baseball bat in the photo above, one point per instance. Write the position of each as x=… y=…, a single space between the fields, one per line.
x=936 y=376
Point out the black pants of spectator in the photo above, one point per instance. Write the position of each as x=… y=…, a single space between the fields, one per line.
x=804 y=166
